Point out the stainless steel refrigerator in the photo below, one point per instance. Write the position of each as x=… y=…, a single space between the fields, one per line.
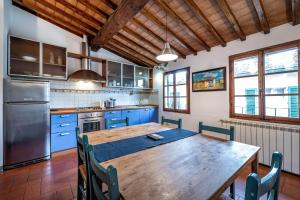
x=26 y=122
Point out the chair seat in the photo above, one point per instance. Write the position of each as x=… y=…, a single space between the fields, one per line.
x=224 y=197
x=82 y=170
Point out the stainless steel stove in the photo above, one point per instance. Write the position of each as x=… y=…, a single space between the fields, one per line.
x=91 y=108
x=91 y=121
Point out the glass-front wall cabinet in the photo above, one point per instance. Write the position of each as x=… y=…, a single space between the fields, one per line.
x=54 y=61
x=24 y=57
x=34 y=59
x=141 y=77
x=114 y=71
x=127 y=75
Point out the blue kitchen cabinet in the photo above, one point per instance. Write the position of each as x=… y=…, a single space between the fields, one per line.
x=144 y=115
x=153 y=112
x=133 y=116
x=63 y=134
x=117 y=114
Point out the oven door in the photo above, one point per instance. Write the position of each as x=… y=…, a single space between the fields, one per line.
x=91 y=124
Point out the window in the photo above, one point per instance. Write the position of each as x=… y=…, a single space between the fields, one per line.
x=264 y=84
x=177 y=91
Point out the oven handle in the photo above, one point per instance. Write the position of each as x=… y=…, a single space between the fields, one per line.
x=86 y=120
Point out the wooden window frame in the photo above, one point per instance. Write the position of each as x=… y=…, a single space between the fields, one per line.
x=261 y=88
x=187 y=111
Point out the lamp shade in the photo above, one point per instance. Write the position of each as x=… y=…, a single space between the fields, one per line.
x=167 y=54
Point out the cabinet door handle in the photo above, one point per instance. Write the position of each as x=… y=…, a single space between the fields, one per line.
x=112 y=112
x=62 y=125
x=64 y=134
x=64 y=116
x=113 y=126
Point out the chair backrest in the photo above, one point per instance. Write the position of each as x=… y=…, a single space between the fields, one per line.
x=111 y=122
x=172 y=121
x=80 y=151
x=224 y=131
x=86 y=145
x=101 y=176
x=257 y=187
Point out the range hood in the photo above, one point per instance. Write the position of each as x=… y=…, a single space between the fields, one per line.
x=85 y=73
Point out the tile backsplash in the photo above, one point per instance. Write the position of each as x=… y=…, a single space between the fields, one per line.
x=68 y=94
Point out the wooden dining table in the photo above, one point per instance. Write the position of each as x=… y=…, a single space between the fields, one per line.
x=196 y=167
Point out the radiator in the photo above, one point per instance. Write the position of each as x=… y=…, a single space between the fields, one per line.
x=270 y=137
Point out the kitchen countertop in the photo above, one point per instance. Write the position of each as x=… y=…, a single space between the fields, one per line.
x=74 y=110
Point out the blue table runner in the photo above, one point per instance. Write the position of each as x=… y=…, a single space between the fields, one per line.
x=115 y=149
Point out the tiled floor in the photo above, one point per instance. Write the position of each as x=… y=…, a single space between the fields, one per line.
x=56 y=179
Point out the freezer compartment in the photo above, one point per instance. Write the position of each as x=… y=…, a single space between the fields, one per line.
x=26 y=132
x=26 y=91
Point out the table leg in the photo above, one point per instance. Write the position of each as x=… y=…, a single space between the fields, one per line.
x=254 y=164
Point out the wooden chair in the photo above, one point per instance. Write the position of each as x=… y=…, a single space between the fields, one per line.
x=83 y=181
x=100 y=176
x=110 y=123
x=257 y=187
x=224 y=131
x=171 y=121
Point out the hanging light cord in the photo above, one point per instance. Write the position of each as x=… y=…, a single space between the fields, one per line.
x=166 y=26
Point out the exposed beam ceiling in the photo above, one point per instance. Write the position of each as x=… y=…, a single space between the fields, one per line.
x=261 y=14
x=293 y=11
x=201 y=17
x=136 y=29
x=123 y=14
x=232 y=19
x=91 y=29
x=163 y=26
x=125 y=55
x=172 y=13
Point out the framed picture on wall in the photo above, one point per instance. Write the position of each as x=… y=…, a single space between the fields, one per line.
x=209 y=80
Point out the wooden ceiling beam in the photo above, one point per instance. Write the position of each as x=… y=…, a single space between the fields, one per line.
x=172 y=13
x=202 y=18
x=118 y=51
x=231 y=19
x=261 y=14
x=134 y=51
x=57 y=20
x=119 y=45
x=90 y=18
x=140 y=38
x=131 y=41
x=156 y=36
x=90 y=28
x=181 y=40
x=110 y=4
x=123 y=14
x=293 y=11
x=95 y=9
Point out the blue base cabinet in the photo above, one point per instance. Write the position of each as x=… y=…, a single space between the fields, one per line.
x=136 y=116
x=63 y=134
x=153 y=112
x=133 y=116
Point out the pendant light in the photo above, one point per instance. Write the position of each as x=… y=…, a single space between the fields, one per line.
x=167 y=54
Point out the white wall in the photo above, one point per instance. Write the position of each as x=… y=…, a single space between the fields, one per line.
x=210 y=107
